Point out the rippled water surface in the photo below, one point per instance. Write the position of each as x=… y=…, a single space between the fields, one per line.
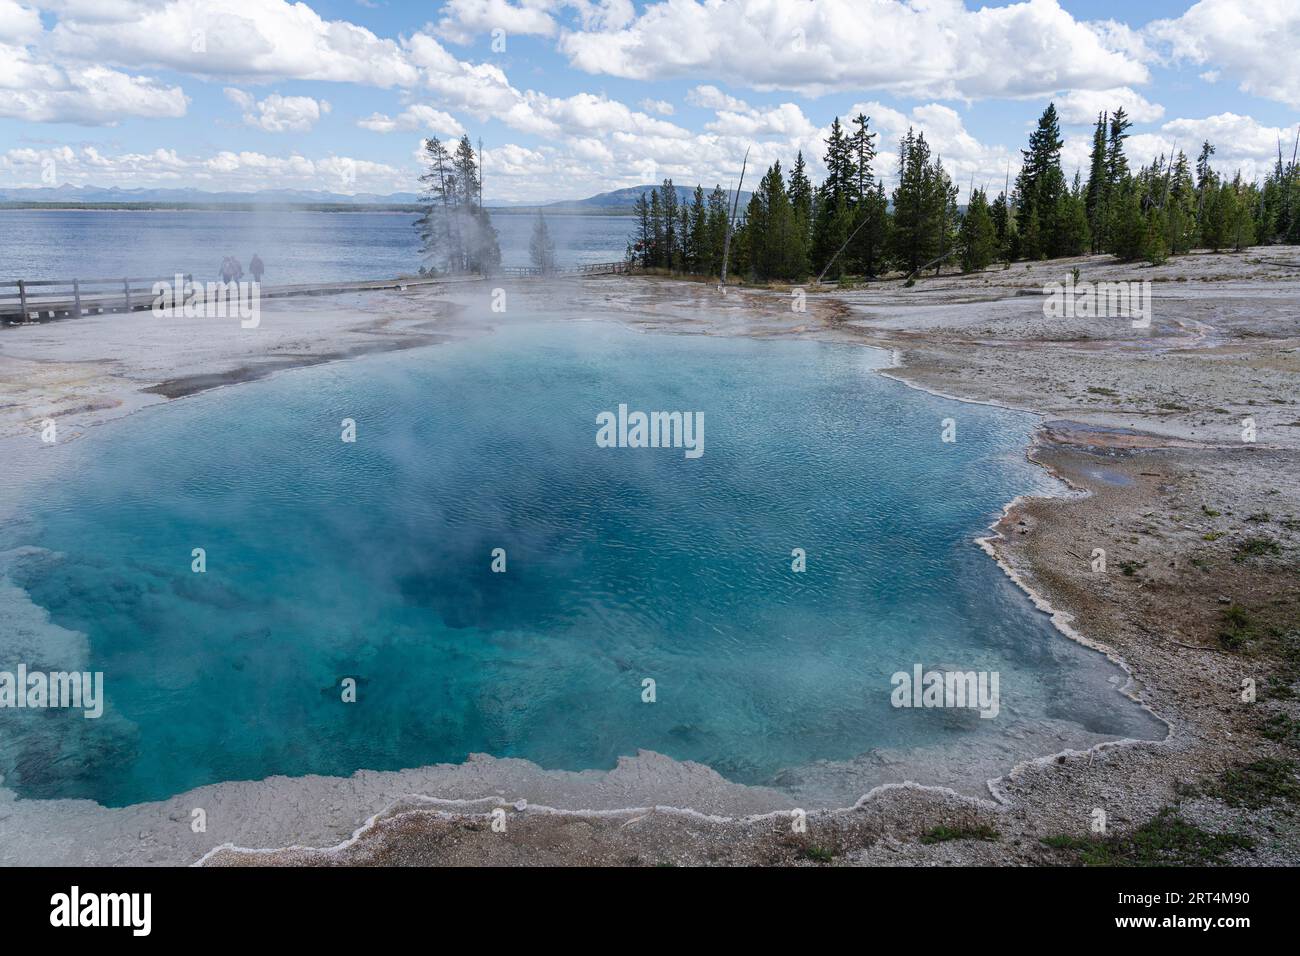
x=296 y=246
x=371 y=560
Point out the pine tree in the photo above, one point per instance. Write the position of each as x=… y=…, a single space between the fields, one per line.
x=1289 y=224
x=943 y=203
x=456 y=233
x=1212 y=221
x=657 y=242
x=978 y=235
x=1031 y=239
x=478 y=247
x=1274 y=222
x=1098 y=185
x=466 y=172
x=1040 y=185
x=643 y=240
x=800 y=193
x=835 y=219
x=1180 y=208
x=1073 y=235
x=434 y=224
x=829 y=215
x=683 y=237
x=1237 y=213
x=1153 y=249
x=671 y=254
x=1205 y=181
x=800 y=189
x=1126 y=227
x=839 y=165
x=778 y=251
x=1005 y=226
x=1116 y=162
x=699 y=234
x=921 y=200
x=868 y=249
x=862 y=157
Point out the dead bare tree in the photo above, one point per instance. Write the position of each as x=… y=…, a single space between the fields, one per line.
x=1169 y=174
x=822 y=275
x=731 y=223
x=1290 y=175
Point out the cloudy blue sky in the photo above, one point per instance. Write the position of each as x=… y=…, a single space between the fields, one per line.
x=573 y=97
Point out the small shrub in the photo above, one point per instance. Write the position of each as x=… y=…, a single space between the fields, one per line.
x=1281 y=728
x=1164 y=840
x=943 y=834
x=1257 y=548
x=1238 y=627
x=819 y=853
x=1259 y=784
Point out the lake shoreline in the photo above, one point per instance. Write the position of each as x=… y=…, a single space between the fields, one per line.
x=1045 y=795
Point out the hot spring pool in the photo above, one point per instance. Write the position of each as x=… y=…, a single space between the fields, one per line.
x=371 y=560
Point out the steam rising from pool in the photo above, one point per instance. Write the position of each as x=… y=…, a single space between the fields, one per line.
x=370 y=562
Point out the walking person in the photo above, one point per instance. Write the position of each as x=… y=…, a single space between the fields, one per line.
x=256 y=268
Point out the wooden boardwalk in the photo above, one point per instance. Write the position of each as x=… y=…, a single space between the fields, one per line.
x=42 y=300
x=590 y=269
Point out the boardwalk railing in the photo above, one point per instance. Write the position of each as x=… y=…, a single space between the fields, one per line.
x=43 y=299
x=55 y=298
x=589 y=269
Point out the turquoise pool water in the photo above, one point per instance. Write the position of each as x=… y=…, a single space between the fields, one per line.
x=371 y=560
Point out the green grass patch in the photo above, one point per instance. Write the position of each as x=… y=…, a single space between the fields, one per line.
x=1096 y=390
x=944 y=834
x=1259 y=784
x=1164 y=840
x=1238 y=627
x=1257 y=548
x=1280 y=728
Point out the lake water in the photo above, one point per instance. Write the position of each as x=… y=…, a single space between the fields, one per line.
x=329 y=560
x=295 y=246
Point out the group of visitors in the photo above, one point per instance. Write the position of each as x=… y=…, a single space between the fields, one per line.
x=232 y=271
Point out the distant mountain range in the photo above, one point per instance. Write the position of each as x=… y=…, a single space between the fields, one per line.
x=623 y=200
x=615 y=202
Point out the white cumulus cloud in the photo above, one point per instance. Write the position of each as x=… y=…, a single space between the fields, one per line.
x=1254 y=42
x=279 y=114
x=1082 y=106
x=39 y=91
x=936 y=49
x=418 y=116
